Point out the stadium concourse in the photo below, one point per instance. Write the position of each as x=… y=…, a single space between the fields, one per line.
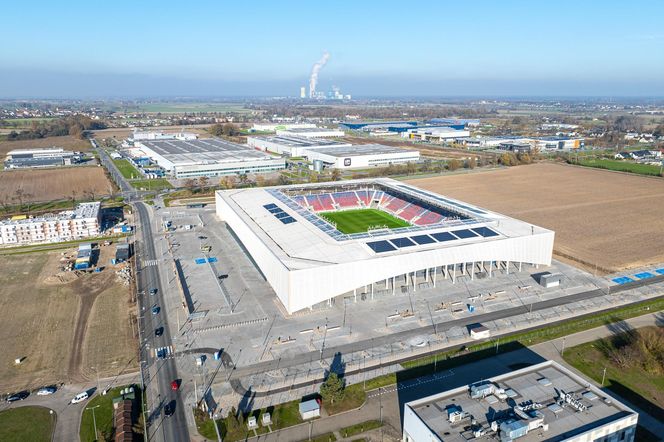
x=316 y=242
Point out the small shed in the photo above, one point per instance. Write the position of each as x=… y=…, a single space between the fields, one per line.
x=122 y=252
x=548 y=280
x=479 y=331
x=309 y=409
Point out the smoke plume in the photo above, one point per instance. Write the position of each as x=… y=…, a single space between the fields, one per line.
x=313 y=79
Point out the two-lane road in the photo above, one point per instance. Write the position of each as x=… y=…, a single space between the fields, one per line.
x=160 y=372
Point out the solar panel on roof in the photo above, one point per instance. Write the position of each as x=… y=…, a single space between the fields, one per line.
x=402 y=242
x=287 y=220
x=443 y=236
x=423 y=239
x=270 y=206
x=281 y=215
x=484 y=231
x=381 y=246
x=275 y=210
x=465 y=233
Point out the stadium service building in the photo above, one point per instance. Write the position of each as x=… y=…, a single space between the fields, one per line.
x=307 y=259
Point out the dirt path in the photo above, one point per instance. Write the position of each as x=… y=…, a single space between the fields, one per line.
x=87 y=298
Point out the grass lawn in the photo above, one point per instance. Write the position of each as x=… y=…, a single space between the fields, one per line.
x=127 y=169
x=622 y=166
x=26 y=424
x=360 y=428
x=360 y=220
x=153 y=184
x=632 y=381
x=104 y=415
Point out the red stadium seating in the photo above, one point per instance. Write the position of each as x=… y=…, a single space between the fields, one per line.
x=326 y=201
x=411 y=211
x=314 y=203
x=346 y=199
x=429 y=218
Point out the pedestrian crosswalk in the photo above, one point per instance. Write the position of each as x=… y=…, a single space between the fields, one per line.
x=150 y=262
x=163 y=352
x=410 y=384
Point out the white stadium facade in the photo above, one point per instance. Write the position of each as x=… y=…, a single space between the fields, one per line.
x=308 y=261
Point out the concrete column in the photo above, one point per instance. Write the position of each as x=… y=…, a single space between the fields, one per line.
x=463 y=268
x=426 y=274
x=355 y=294
x=454 y=266
x=387 y=284
x=472 y=271
x=507 y=267
x=414 y=281
x=372 y=284
x=393 y=286
x=519 y=265
x=434 y=275
x=490 y=268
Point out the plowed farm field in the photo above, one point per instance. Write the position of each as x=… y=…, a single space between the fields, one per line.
x=52 y=184
x=603 y=220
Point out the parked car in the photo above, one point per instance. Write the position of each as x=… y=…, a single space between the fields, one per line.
x=46 y=391
x=175 y=385
x=169 y=409
x=80 y=397
x=155 y=310
x=153 y=292
x=18 y=396
x=159 y=331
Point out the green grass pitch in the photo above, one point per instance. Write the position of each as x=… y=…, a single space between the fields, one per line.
x=360 y=220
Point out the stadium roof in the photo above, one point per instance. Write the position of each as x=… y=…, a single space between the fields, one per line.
x=308 y=241
x=212 y=150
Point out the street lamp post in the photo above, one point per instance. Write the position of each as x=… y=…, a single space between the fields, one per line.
x=94 y=420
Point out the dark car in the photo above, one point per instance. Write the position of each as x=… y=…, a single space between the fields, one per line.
x=202 y=237
x=223 y=276
x=169 y=409
x=159 y=331
x=18 y=396
x=153 y=292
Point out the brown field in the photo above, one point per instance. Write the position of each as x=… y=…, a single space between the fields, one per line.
x=610 y=220
x=67 y=142
x=53 y=184
x=61 y=323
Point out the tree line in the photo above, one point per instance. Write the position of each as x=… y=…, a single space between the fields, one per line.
x=76 y=126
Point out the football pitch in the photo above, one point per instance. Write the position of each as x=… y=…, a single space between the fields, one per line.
x=357 y=221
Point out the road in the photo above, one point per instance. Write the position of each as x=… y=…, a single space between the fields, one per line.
x=158 y=373
x=329 y=352
x=127 y=190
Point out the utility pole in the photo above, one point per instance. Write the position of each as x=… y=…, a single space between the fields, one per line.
x=562 y=351
x=603 y=376
x=94 y=420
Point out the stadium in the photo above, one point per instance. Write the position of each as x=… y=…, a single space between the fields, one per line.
x=374 y=237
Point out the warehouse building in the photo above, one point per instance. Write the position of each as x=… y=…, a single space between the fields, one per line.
x=82 y=222
x=312 y=132
x=289 y=145
x=559 y=143
x=466 y=122
x=32 y=158
x=208 y=157
x=362 y=156
x=272 y=127
x=543 y=402
x=375 y=125
x=436 y=134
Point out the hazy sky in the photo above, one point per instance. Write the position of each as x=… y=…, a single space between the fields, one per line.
x=215 y=48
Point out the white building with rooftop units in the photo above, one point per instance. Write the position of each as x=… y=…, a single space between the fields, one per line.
x=208 y=157
x=543 y=402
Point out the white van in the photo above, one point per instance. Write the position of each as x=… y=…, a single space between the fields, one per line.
x=79 y=397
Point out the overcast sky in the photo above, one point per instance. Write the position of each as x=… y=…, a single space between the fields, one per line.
x=388 y=48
